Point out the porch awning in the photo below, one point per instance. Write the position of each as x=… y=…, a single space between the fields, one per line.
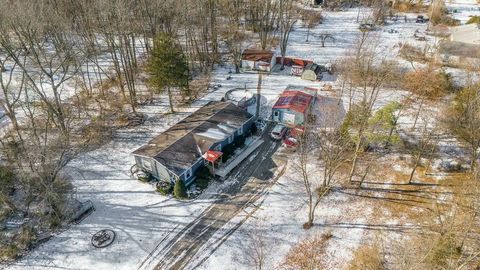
x=212 y=156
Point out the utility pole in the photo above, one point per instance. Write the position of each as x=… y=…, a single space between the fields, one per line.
x=259 y=91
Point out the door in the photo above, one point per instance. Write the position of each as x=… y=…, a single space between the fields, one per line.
x=276 y=116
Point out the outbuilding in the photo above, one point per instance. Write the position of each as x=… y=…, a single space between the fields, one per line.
x=179 y=152
x=312 y=72
x=259 y=60
x=292 y=108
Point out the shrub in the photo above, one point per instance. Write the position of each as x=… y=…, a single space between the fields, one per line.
x=144 y=177
x=202 y=182
x=405 y=6
x=444 y=250
x=428 y=83
x=474 y=19
x=9 y=252
x=203 y=172
x=254 y=129
x=179 y=190
x=309 y=253
x=367 y=258
x=26 y=237
x=228 y=151
x=164 y=187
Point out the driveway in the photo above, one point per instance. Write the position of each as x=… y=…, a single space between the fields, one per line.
x=249 y=181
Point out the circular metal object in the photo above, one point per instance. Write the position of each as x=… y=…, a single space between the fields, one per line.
x=103 y=238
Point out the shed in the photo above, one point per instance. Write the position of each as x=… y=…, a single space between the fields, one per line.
x=292 y=108
x=255 y=59
x=312 y=72
x=181 y=150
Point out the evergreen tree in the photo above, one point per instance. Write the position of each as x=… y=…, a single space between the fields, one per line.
x=168 y=67
x=179 y=190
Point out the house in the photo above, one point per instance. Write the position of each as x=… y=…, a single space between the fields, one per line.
x=469 y=34
x=297 y=65
x=179 y=152
x=292 y=107
x=312 y=72
x=254 y=59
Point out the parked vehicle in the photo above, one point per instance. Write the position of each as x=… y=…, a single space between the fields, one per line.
x=290 y=143
x=278 y=132
x=421 y=19
x=292 y=138
x=364 y=27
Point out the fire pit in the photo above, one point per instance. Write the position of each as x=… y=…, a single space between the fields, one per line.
x=103 y=238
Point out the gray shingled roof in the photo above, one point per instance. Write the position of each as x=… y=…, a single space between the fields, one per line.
x=184 y=143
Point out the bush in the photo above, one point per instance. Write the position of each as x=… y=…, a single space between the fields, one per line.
x=144 y=177
x=444 y=250
x=228 y=151
x=202 y=182
x=203 y=172
x=6 y=181
x=179 y=190
x=26 y=237
x=474 y=19
x=367 y=257
x=164 y=187
x=405 y=6
x=9 y=252
x=428 y=82
x=254 y=129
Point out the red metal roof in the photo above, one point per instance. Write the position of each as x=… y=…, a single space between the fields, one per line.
x=257 y=55
x=212 y=156
x=294 y=100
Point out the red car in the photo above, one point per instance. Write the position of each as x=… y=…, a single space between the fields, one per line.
x=292 y=138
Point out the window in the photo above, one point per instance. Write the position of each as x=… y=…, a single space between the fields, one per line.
x=188 y=174
x=218 y=147
x=230 y=139
x=275 y=113
x=240 y=130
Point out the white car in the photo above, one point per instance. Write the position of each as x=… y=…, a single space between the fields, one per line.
x=278 y=132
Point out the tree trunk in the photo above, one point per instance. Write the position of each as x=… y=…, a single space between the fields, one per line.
x=415 y=166
x=355 y=160
x=170 y=100
x=418 y=112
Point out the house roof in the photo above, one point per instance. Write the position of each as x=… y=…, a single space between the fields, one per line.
x=294 y=100
x=290 y=61
x=212 y=155
x=257 y=55
x=180 y=146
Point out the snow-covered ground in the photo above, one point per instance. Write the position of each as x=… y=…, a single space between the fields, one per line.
x=143 y=218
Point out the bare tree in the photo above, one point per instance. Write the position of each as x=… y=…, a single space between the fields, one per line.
x=463 y=120
x=366 y=73
x=324 y=37
x=422 y=146
x=310 y=19
x=262 y=15
x=234 y=32
x=287 y=18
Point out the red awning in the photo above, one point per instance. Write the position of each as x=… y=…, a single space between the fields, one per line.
x=212 y=156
